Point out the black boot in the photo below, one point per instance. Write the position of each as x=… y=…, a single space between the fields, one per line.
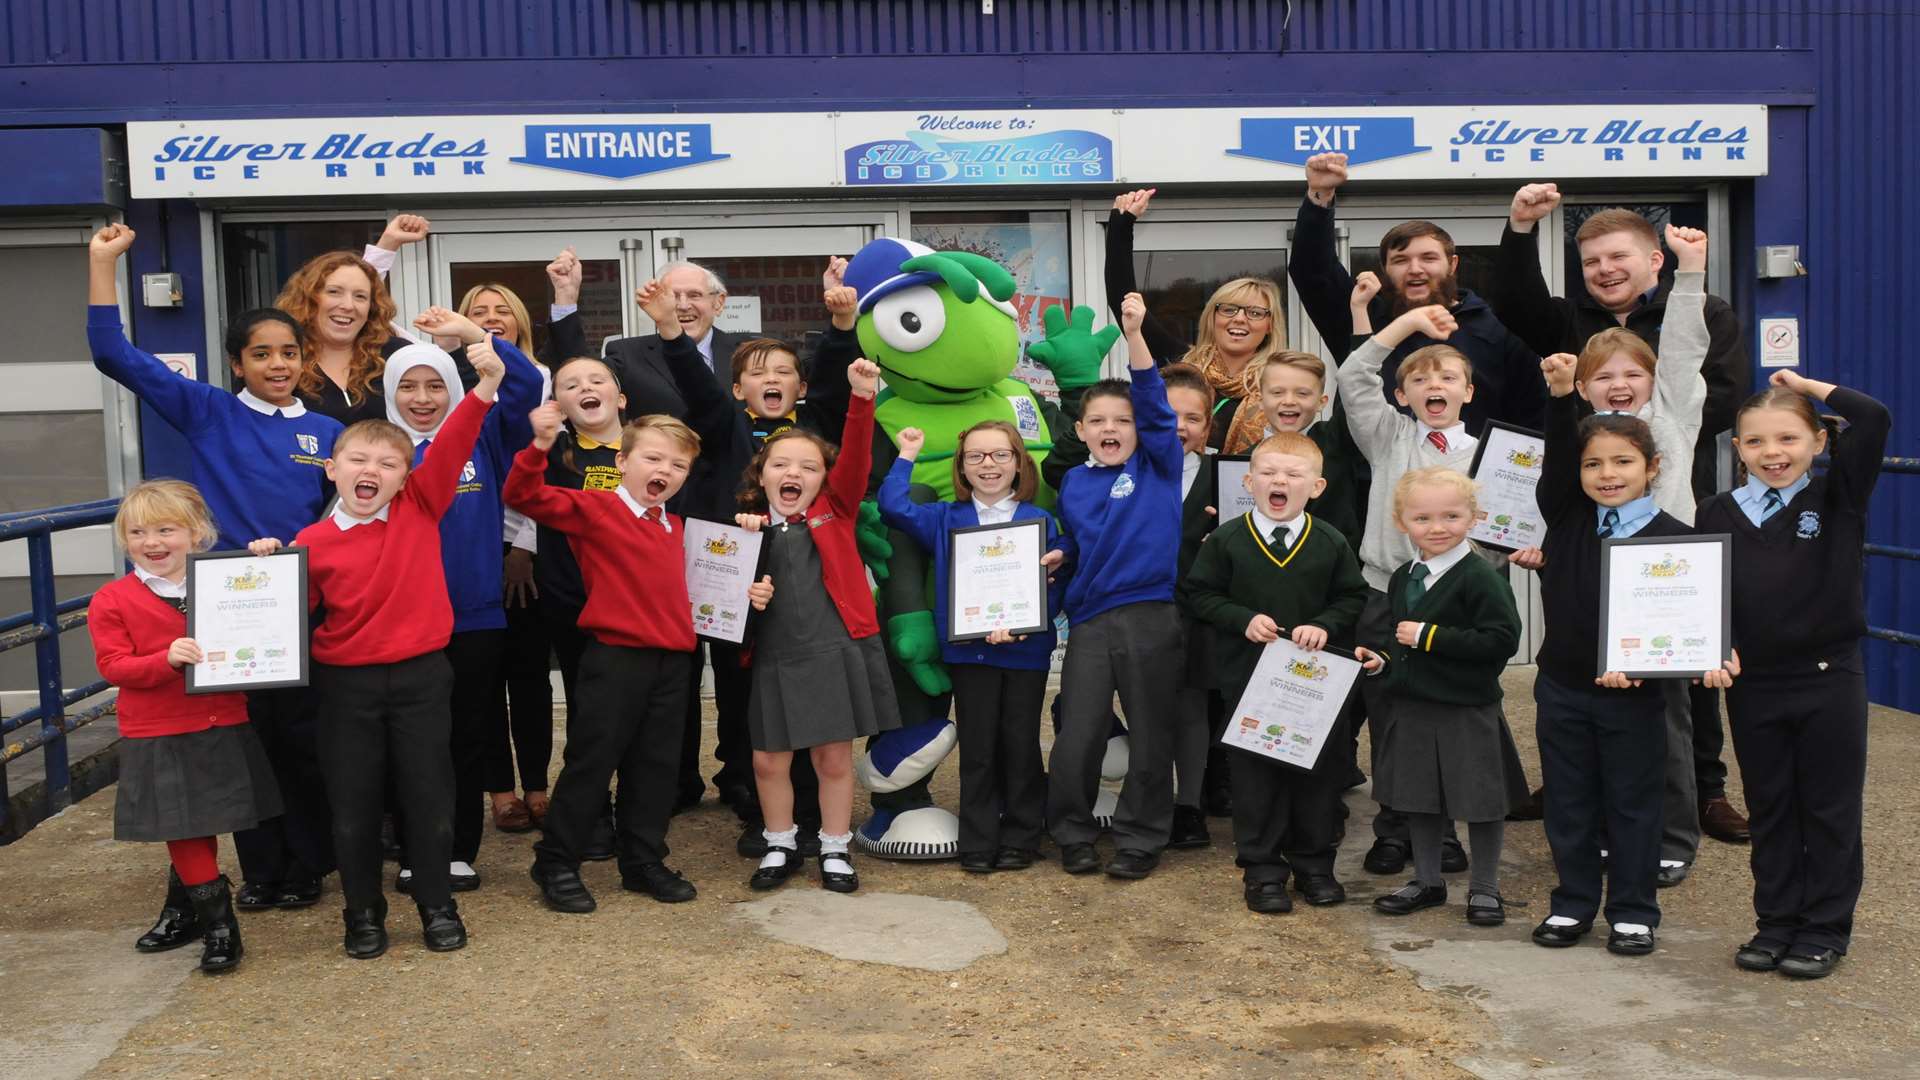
x=213 y=904
x=177 y=924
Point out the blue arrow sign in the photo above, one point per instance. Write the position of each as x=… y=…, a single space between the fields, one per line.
x=1292 y=140
x=618 y=151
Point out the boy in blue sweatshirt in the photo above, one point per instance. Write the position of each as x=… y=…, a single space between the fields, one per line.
x=1122 y=508
x=422 y=388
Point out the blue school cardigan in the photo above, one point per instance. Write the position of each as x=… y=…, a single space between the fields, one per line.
x=929 y=524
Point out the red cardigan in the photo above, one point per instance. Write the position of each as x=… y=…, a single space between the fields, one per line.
x=132 y=630
x=382 y=583
x=832 y=518
x=634 y=572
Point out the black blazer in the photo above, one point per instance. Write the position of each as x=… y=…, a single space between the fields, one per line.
x=648 y=383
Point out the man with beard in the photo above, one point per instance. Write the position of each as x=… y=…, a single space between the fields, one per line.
x=1418 y=266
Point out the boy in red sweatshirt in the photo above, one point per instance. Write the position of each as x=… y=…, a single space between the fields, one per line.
x=381 y=679
x=634 y=674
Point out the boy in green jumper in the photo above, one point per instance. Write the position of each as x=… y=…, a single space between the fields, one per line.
x=1275 y=570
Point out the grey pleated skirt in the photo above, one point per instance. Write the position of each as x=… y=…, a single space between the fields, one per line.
x=204 y=783
x=1457 y=760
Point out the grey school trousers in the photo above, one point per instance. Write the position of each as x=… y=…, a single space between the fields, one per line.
x=1138 y=650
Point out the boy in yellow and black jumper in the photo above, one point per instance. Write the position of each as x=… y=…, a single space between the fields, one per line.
x=1275 y=571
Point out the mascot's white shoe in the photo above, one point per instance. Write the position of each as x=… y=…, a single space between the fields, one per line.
x=1113 y=766
x=926 y=832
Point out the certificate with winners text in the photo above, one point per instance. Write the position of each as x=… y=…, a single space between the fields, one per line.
x=722 y=561
x=1666 y=605
x=995 y=580
x=249 y=614
x=1291 y=703
x=1506 y=465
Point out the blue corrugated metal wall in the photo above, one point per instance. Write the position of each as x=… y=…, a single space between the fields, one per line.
x=186 y=31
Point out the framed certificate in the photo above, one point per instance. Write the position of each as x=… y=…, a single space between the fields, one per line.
x=249 y=614
x=1291 y=703
x=1507 y=466
x=722 y=561
x=995 y=580
x=1230 y=493
x=1666 y=605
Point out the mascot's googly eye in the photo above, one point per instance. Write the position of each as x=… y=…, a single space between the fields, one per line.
x=911 y=319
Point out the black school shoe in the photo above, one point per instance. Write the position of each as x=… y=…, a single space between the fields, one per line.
x=1132 y=864
x=1621 y=943
x=1486 y=909
x=1387 y=856
x=599 y=845
x=977 y=862
x=1669 y=876
x=1079 y=858
x=1410 y=898
x=177 y=924
x=1320 y=890
x=1453 y=857
x=441 y=928
x=772 y=877
x=299 y=892
x=564 y=891
x=661 y=882
x=1760 y=955
x=1189 y=828
x=366 y=935
x=1013 y=858
x=1268 y=897
x=833 y=881
x=1549 y=936
x=257 y=896
x=1807 y=962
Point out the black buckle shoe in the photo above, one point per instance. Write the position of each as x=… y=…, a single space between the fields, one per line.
x=837 y=881
x=1410 y=898
x=366 y=933
x=1625 y=943
x=1079 y=858
x=1486 y=909
x=220 y=937
x=441 y=928
x=661 y=882
x=1132 y=864
x=1805 y=962
x=1550 y=936
x=563 y=890
x=1189 y=828
x=177 y=924
x=257 y=896
x=1320 y=890
x=1760 y=955
x=294 y=893
x=753 y=840
x=772 y=877
x=1268 y=897
x=1013 y=858
x=977 y=862
x=1669 y=876
x=1387 y=856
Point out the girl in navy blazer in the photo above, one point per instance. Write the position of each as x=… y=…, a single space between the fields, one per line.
x=1000 y=682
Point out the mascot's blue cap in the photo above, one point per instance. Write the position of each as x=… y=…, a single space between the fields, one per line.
x=874 y=271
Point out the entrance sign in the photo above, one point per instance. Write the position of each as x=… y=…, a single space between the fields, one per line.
x=717 y=152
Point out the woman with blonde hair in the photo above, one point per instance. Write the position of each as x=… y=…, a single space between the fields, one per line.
x=1242 y=324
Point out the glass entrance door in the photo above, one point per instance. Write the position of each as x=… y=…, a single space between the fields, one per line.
x=518 y=260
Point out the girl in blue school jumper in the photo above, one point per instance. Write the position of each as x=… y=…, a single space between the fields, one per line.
x=422 y=388
x=999 y=683
x=259 y=460
x=1799 y=714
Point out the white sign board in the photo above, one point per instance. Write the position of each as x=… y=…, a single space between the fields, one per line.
x=1780 y=342
x=715 y=152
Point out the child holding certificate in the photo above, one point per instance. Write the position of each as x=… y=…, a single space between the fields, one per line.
x=632 y=684
x=1447 y=753
x=1278 y=570
x=380 y=674
x=1799 y=714
x=190 y=767
x=1000 y=681
x=819 y=670
x=1603 y=741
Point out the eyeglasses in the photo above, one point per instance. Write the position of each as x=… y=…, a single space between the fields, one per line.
x=1228 y=311
x=980 y=457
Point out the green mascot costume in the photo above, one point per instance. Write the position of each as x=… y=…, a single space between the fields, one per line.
x=942 y=329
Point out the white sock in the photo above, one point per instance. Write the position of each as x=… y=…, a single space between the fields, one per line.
x=1671 y=864
x=778 y=844
x=1561 y=920
x=1631 y=928
x=833 y=853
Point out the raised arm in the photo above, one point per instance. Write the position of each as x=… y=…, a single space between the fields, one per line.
x=1518 y=294
x=1127 y=211
x=566 y=333
x=1858 y=452
x=1679 y=391
x=847 y=482
x=433 y=483
x=924 y=522
x=1558 y=492
x=184 y=403
x=527 y=490
x=1153 y=418
x=1313 y=258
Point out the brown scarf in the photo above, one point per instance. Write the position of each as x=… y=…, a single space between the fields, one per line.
x=1249 y=424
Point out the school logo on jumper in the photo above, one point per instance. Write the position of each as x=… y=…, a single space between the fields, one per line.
x=1307 y=669
x=1122 y=487
x=251 y=580
x=721 y=545
x=1524 y=458
x=468 y=472
x=618 y=151
x=1809 y=525
x=1666 y=568
x=1292 y=140
x=308 y=443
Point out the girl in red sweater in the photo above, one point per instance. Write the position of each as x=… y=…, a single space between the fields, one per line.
x=819 y=672
x=190 y=767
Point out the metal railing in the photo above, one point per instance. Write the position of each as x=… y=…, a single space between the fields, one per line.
x=1909 y=467
x=41 y=628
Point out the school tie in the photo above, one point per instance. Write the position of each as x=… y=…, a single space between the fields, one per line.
x=1416 y=584
x=1280 y=537
x=1438 y=440
x=1609 y=523
x=652 y=513
x=1771 y=503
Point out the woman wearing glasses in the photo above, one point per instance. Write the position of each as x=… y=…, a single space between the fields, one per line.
x=1241 y=325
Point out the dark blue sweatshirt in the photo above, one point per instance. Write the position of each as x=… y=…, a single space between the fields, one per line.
x=930 y=524
x=262 y=473
x=1126 y=517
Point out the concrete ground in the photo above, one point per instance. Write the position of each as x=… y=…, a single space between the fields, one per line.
x=1033 y=974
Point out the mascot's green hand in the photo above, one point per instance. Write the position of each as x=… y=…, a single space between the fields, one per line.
x=1072 y=351
x=870 y=533
x=916 y=644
